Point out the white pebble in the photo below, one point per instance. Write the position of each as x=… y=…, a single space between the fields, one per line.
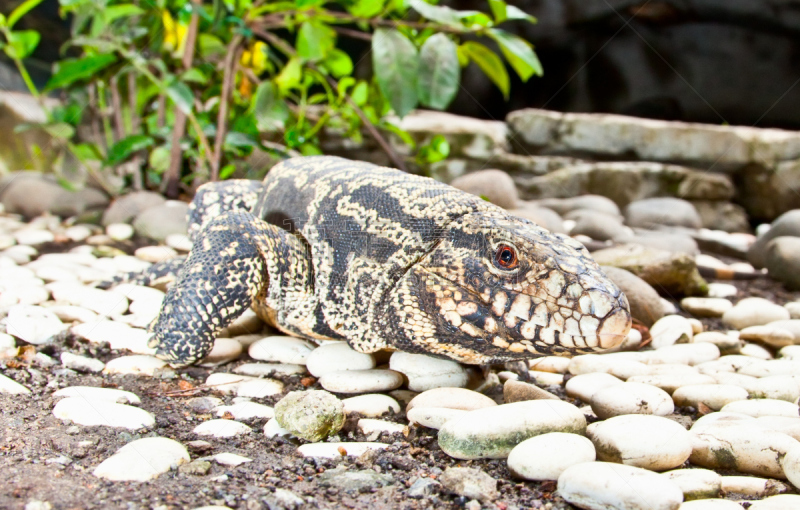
x=334 y=357
x=224 y=351
x=777 y=387
x=69 y=313
x=433 y=417
x=155 y=254
x=361 y=381
x=372 y=405
x=281 y=349
x=118 y=335
x=722 y=290
x=32 y=236
x=772 y=367
x=607 y=363
x=369 y=426
x=426 y=372
x=230 y=459
x=768 y=334
x=245 y=411
x=136 y=365
x=727 y=344
x=752 y=486
x=12 y=387
x=451 y=398
x=243 y=385
x=687 y=354
x=586 y=385
x=273 y=429
x=96 y=393
x=81 y=363
x=671 y=382
x=706 y=307
x=142 y=460
x=763 y=407
x=791 y=465
x=670 y=330
x=779 y=502
x=631 y=398
x=696 y=483
x=101 y=412
x=180 y=242
x=605 y=485
x=221 y=428
x=265 y=369
x=34 y=324
x=78 y=233
x=754 y=311
x=710 y=504
x=546 y=456
x=755 y=351
x=741 y=447
x=715 y=396
x=119 y=231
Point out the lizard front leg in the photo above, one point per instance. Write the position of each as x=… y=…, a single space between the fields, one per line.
x=234 y=258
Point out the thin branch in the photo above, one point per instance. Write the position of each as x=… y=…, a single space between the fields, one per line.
x=373 y=131
x=229 y=67
x=116 y=109
x=354 y=34
x=136 y=165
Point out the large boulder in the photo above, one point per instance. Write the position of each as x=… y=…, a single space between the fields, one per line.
x=125 y=208
x=788 y=224
x=654 y=212
x=783 y=260
x=32 y=194
x=162 y=220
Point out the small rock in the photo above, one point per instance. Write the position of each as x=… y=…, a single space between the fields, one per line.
x=706 y=307
x=221 y=428
x=727 y=344
x=179 y=242
x=791 y=465
x=649 y=442
x=495 y=185
x=334 y=357
x=230 y=459
x=338 y=450
x=243 y=385
x=34 y=324
x=451 y=398
x=265 y=369
x=374 y=427
x=688 y=354
x=601 y=485
x=81 y=363
x=155 y=254
x=311 y=415
x=554 y=364
x=614 y=364
x=361 y=381
x=782 y=256
x=653 y=212
x=136 y=365
x=281 y=349
x=273 y=429
x=631 y=398
x=433 y=417
x=755 y=351
x=710 y=504
x=203 y=405
x=126 y=207
x=546 y=456
x=644 y=301
x=780 y=502
x=721 y=290
x=742 y=448
x=92 y=393
x=752 y=486
x=99 y=412
x=12 y=387
x=584 y=386
x=196 y=467
x=469 y=483
x=224 y=351
x=119 y=231
x=715 y=396
x=426 y=372
x=754 y=311
x=372 y=405
x=696 y=483
x=763 y=407
x=672 y=382
x=159 y=221
x=670 y=330
x=494 y=431
x=766 y=368
x=770 y=335
x=776 y=387
x=422 y=488
x=517 y=391
x=33 y=237
x=142 y=460
x=245 y=411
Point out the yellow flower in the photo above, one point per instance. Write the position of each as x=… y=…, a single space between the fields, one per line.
x=255 y=58
x=174 y=34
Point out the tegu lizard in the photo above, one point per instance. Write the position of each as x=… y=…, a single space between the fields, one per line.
x=327 y=248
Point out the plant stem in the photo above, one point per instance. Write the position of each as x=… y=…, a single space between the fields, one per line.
x=103 y=107
x=229 y=67
x=116 y=106
x=373 y=131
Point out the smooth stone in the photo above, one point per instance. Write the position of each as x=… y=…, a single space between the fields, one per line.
x=119 y=336
x=497 y=186
x=794 y=309
x=671 y=382
x=101 y=412
x=790 y=352
x=645 y=303
x=273 y=429
x=518 y=391
x=687 y=354
x=767 y=334
x=607 y=363
x=281 y=349
x=334 y=357
x=493 y=432
x=706 y=307
x=70 y=313
x=361 y=381
x=584 y=386
x=372 y=405
x=710 y=504
x=140 y=293
x=103 y=302
x=729 y=363
x=33 y=236
x=312 y=415
x=451 y=398
x=81 y=363
x=78 y=233
x=742 y=448
x=469 y=483
x=768 y=368
x=230 y=459
x=779 y=502
x=221 y=428
x=135 y=365
x=722 y=290
x=203 y=405
x=155 y=254
x=179 y=242
x=338 y=450
x=696 y=483
x=784 y=424
x=670 y=211
x=792 y=325
x=265 y=369
x=546 y=456
x=119 y=231
x=606 y=485
x=791 y=464
x=96 y=393
x=546 y=378
x=631 y=398
x=34 y=324
x=782 y=255
x=715 y=396
x=433 y=417
x=554 y=364
x=370 y=427
x=142 y=460
x=243 y=385
x=247 y=324
x=752 y=486
x=763 y=407
x=426 y=372
x=776 y=387
x=649 y=442
x=670 y=330
x=245 y=411
x=720 y=418
x=11 y=387
x=754 y=311
x=224 y=351
x=726 y=344
x=126 y=207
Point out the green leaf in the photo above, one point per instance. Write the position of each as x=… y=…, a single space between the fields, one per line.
x=344 y=84
x=60 y=130
x=395 y=63
x=360 y=93
x=475 y=19
x=518 y=53
x=21 y=10
x=22 y=43
x=70 y=70
x=290 y=75
x=499 y=10
x=181 y=95
x=489 y=63
x=269 y=110
x=2 y=20
x=115 y=12
x=513 y=12
x=315 y=40
x=439 y=72
x=442 y=14
x=366 y=8
x=159 y=159
x=123 y=149
x=86 y=151
x=338 y=63
x=210 y=45
x=227 y=171
x=194 y=75
x=236 y=139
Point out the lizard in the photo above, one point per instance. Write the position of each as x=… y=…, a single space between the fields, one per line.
x=325 y=248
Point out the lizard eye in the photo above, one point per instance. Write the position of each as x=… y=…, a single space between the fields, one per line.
x=505 y=257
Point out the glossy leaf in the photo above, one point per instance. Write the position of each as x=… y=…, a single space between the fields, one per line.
x=114 y=12
x=70 y=70
x=315 y=40
x=489 y=63
x=396 y=63
x=22 y=43
x=366 y=8
x=439 y=72
x=269 y=110
x=227 y=171
x=513 y=12
x=59 y=130
x=360 y=93
x=181 y=95
x=194 y=75
x=21 y=10
x=290 y=76
x=518 y=53
x=159 y=159
x=499 y=10
x=338 y=63
x=439 y=13
x=124 y=149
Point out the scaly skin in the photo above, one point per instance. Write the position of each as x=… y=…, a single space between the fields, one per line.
x=327 y=248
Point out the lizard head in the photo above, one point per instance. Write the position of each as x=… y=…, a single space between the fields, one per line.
x=498 y=287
